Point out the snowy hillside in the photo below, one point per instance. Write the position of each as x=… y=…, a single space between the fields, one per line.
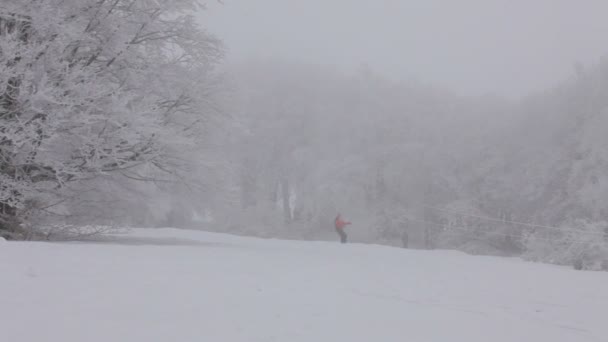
x=171 y=285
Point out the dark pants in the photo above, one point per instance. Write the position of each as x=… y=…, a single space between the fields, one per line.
x=405 y=239
x=342 y=235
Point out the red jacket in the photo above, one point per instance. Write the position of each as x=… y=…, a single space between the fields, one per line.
x=340 y=224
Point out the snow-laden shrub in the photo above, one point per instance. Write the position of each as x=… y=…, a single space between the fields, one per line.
x=262 y=220
x=67 y=232
x=466 y=227
x=584 y=245
x=392 y=227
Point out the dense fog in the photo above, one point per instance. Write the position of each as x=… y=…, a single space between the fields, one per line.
x=473 y=47
x=476 y=125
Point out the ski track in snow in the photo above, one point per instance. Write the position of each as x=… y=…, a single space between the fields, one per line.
x=176 y=285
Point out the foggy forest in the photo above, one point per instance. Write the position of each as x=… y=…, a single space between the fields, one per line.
x=475 y=126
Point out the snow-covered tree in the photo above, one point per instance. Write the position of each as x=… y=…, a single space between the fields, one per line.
x=91 y=88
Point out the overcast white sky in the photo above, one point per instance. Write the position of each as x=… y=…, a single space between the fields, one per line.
x=509 y=47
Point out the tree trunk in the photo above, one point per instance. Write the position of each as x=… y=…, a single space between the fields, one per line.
x=286 y=203
x=19 y=26
x=248 y=190
x=9 y=227
x=428 y=217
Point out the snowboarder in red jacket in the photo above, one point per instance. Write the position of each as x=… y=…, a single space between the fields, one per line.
x=340 y=224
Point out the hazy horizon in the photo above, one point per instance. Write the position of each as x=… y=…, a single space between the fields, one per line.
x=474 y=47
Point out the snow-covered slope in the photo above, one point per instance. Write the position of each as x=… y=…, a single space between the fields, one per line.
x=172 y=285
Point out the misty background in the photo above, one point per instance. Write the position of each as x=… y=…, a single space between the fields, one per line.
x=477 y=125
x=474 y=47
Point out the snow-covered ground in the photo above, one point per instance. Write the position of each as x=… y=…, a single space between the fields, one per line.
x=173 y=286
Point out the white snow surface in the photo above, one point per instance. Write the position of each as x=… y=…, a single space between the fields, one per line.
x=175 y=285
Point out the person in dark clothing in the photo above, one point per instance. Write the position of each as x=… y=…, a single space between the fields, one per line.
x=340 y=224
x=405 y=238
